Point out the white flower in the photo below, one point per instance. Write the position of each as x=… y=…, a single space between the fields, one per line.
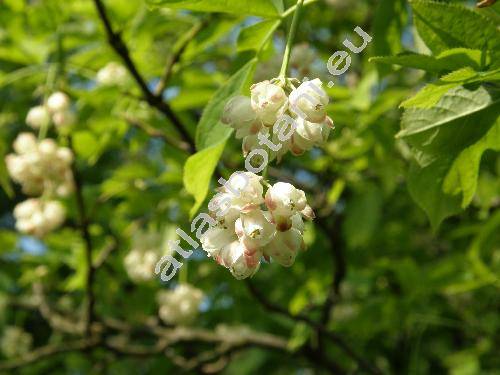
x=38 y=117
x=284 y=200
x=15 y=342
x=239 y=260
x=269 y=101
x=181 y=305
x=25 y=143
x=216 y=238
x=239 y=114
x=58 y=102
x=113 y=74
x=309 y=101
x=284 y=246
x=309 y=134
x=247 y=190
x=36 y=217
x=254 y=229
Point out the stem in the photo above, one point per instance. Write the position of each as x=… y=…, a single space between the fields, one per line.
x=291 y=38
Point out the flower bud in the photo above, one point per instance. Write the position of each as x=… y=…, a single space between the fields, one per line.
x=309 y=101
x=38 y=117
x=58 y=102
x=25 y=143
x=241 y=262
x=269 y=101
x=113 y=74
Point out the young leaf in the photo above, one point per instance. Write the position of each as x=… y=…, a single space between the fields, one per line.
x=255 y=36
x=463 y=174
x=443 y=26
x=448 y=60
x=210 y=130
x=264 y=8
x=456 y=103
x=198 y=171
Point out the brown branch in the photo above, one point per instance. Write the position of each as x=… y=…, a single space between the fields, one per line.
x=116 y=42
x=48 y=351
x=175 y=56
x=57 y=321
x=156 y=133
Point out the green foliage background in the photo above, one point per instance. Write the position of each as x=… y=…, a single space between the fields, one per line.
x=404 y=257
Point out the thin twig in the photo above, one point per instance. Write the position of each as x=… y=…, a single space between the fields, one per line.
x=175 y=56
x=48 y=351
x=362 y=363
x=116 y=42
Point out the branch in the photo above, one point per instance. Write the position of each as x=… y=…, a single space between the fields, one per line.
x=155 y=133
x=320 y=328
x=56 y=320
x=48 y=351
x=116 y=42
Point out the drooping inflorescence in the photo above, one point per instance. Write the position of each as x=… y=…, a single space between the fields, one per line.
x=245 y=232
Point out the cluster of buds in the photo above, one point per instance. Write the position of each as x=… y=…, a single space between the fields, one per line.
x=245 y=232
x=40 y=166
x=15 y=342
x=269 y=113
x=113 y=74
x=38 y=217
x=57 y=109
x=181 y=305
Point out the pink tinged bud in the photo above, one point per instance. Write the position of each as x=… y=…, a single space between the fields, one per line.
x=308 y=213
x=271 y=205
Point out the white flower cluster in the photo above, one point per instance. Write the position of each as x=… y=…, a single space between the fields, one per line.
x=265 y=117
x=41 y=168
x=140 y=264
x=181 y=305
x=15 y=342
x=37 y=217
x=57 y=108
x=244 y=232
x=141 y=260
x=113 y=74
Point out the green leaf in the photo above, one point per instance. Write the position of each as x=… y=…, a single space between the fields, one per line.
x=254 y=37
x=4 y=176
x=431 y=93
x=425 y=188
x=264 y=8
x=443 y=26
x=463 y=174
x=198 y=171
x=210 y=130
x=448 y=60
x=457 y=103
